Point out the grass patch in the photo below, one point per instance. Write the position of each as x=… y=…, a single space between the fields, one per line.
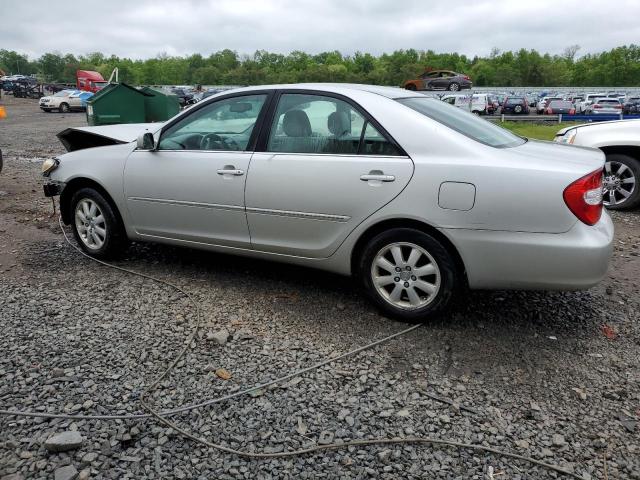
x=538 y=131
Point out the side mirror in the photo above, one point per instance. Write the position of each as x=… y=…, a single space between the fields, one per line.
x=145 y=141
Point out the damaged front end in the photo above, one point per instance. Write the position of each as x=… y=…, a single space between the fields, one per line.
x=79 y=138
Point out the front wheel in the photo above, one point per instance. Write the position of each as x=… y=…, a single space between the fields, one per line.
x=63 y=108
x=96 y=226
x=408 y=274
x=620 y=182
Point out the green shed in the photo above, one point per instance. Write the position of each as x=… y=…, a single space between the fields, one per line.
x=117 y=103
x=159 y=106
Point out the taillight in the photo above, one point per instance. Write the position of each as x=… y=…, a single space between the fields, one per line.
x=618 y=106
x=596 y=106
x=584 y=197
x=572 y=111
x=466 y=77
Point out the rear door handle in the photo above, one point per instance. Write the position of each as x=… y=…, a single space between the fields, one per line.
x=230 y=171
x=378 y=177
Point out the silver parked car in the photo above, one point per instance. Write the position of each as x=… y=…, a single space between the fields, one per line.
x=413 y=197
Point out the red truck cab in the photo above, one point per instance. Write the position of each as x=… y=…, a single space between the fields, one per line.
x=89 y=81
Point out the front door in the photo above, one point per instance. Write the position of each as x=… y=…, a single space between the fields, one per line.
x=326 y=168
x=191 y=187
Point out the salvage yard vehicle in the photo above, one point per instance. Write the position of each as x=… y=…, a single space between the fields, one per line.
x=564 y=107
x=440 y=80
x=515 y=106
x=604 y=106
x=620 y=142
x=631 y=106
x=64 y=101
x=414 y=198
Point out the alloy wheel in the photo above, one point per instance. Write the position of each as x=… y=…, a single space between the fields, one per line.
x=618 y=183
x=90 y=224
x=405 y=275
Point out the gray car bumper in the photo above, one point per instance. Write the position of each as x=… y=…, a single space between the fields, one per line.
x=575 y=260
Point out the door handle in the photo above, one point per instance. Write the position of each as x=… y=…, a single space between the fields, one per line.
x=377 y=176
x=230 y=171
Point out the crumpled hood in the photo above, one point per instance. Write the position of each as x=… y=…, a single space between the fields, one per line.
x=78 y=138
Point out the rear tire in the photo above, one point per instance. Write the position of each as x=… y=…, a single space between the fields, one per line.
x=454 y=87
x=408 y=274
x=621 y=177
x=96 y=225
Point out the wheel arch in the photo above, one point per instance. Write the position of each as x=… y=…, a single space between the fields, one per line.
x=632 y=151
x=76 y=184
x=389 y=224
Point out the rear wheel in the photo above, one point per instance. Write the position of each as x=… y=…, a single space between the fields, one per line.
x=620 y=183
x=63 y=108
x=454 y=87
x=408 y=274
x=96 y=226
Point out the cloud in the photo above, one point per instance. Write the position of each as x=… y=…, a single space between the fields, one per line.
x=145 y=28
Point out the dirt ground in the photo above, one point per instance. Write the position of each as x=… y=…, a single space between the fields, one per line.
x=516 y=352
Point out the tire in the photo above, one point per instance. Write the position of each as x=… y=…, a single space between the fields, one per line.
x=476 y=112
x=63 y=108
x=517 y=109
x=443 y=280
x=621 y=174
x=454 y=87
x=109 y=230
x=410 y=86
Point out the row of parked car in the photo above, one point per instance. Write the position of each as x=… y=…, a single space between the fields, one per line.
x=524 y=104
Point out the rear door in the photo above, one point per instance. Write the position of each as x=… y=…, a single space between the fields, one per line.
x=326 y=166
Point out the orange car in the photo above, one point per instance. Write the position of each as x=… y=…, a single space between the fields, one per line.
x=439 y=80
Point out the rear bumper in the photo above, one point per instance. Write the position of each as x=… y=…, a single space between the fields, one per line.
x=575 y=260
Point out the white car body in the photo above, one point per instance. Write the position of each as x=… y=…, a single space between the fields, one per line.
x=476 y=103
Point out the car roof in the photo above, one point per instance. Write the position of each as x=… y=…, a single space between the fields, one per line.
x=340 y=88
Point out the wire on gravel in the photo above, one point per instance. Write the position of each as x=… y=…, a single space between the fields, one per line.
x=162 y=415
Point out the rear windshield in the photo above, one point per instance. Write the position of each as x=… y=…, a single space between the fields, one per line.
x=608 y=102
x=463 y=122
x=560 y=104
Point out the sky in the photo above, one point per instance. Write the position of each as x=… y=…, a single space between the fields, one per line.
x=146 y=28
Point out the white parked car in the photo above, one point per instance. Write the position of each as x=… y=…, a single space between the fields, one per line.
x=620 y=142
x=604 y=106
x=63 y=101
x=581 y=107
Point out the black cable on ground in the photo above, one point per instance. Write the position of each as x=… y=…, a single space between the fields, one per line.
x=162 y=415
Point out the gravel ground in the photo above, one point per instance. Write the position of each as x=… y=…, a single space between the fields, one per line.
x=553 y=376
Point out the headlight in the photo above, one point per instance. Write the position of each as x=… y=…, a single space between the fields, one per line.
x=569 y=136
x=49 y=165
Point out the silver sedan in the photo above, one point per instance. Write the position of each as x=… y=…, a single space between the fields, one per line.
x=413 y=197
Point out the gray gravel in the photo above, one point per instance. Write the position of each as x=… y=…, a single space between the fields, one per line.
x=528 y=372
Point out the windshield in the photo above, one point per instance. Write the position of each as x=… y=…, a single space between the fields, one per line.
x=463 y=122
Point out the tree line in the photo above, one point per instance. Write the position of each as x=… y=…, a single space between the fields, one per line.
x=617 y=67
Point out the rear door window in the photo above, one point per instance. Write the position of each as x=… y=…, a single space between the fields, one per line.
x=318 y=124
